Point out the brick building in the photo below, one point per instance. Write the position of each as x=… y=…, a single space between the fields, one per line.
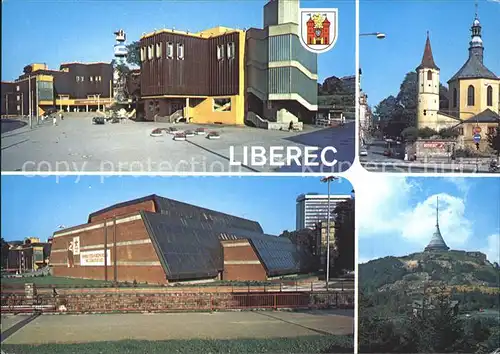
x=74 y=87
x=159 y=240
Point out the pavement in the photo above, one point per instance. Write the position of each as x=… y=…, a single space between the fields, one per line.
x=76 y=145
x=164 y=326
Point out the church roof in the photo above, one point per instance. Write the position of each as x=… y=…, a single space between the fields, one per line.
x=473 y=69
x=427 y=58
x=486 y=116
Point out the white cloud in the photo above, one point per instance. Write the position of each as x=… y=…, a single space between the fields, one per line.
x=461 y=183
x=492 y=250
x=420 y=223
x=384 y=208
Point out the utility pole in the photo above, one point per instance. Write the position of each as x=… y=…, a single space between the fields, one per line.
x=30 y=96
x=37 y=100
x=328 y=180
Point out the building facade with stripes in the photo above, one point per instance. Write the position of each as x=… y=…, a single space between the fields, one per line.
x=159 y=240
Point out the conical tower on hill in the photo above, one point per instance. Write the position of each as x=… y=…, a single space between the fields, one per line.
x=437 y=242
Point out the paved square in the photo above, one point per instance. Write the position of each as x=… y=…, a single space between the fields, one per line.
x=76 y=145
x=218 y=325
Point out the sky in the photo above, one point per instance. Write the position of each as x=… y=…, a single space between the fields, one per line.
x=83 y=30
x=37 y=206
x=398 y=216
x=385 y=62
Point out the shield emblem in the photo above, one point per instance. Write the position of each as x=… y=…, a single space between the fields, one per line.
x=318 y=29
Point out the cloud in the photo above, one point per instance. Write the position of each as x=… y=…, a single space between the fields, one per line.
x=419 y=223
x=492 y=250
x=461 y=183
x=386 y=207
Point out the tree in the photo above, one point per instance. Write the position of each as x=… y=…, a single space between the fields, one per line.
x=444 y=97
x=426 y=133
x=410 y=134
x=344 y=235
x=134 y=53
x=407 y=99
x=386 y=109
x=4 y=252
x=494 y=140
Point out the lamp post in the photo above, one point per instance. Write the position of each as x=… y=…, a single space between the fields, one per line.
x=327 y=180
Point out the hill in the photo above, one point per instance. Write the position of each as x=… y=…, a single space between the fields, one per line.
x=459 y=270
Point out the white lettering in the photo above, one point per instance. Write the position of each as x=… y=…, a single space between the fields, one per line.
x=232 y=161
x=258 y=152
x=308 y=155
x=324 y=161
x=293 y=154
x=275 y=156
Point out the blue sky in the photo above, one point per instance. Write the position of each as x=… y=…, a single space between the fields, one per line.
x=398 y=217
x=36 y=206
x=385 y=62
x=83 y=30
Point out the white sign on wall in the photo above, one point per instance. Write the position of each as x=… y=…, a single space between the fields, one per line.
x=76 y=245
x=94 y=258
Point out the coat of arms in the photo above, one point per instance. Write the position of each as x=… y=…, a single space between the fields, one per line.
x=318 y=29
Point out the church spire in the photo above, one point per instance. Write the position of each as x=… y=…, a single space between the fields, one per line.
x=437 y=242
x=427 y=58
x=476 y=44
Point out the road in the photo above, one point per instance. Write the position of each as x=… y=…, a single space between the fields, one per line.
x=165 y=326
x=11 y=124
x=76 y=145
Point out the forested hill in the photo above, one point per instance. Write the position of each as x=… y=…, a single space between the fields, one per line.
x=464 y=271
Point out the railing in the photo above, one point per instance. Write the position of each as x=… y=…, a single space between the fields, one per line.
x=167 y=302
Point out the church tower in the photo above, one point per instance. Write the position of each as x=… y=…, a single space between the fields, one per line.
x=437 y=242
x=428 y=89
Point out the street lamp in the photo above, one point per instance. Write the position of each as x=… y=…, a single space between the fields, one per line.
x=379 y=35
x=327 y=180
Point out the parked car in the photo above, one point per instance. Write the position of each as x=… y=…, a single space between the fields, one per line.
x=363 y=151
x=98 y=120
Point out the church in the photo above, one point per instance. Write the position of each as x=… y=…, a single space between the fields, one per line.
x=474 y=94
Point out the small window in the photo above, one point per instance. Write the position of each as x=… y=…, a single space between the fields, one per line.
x=17 y=88
x=91 y=79
x=18 y=108
x=491 y=130
x=78 y=79
x=222 y=105
x=455 y=97
x=180 y=51
x=170 y=50
x=489 y=96
x=460 y=131
x=100 y=79
x=470 y=96
x=143 y=56
x=220 y=52
x=429 y=75
x=150 y=52
x=18 y=97
x=82 y=79
x=230 y=50
x=158 y=50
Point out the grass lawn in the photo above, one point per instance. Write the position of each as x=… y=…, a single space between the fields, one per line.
x=50 y=280
x=305 y=344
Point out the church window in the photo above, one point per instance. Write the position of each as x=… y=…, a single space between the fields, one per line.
x=429 y=75
x=461 y=131
x=489 y=96
x=455 y=97
x=491 y=130
x=470 y=96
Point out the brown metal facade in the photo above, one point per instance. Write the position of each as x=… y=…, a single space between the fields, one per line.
x=200 y=73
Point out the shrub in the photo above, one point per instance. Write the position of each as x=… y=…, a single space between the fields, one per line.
x=426 y=133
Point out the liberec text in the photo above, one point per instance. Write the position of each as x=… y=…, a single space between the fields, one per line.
x=278 y=156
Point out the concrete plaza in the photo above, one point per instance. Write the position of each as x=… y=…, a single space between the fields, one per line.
x=165 y=326
x=76 y=145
